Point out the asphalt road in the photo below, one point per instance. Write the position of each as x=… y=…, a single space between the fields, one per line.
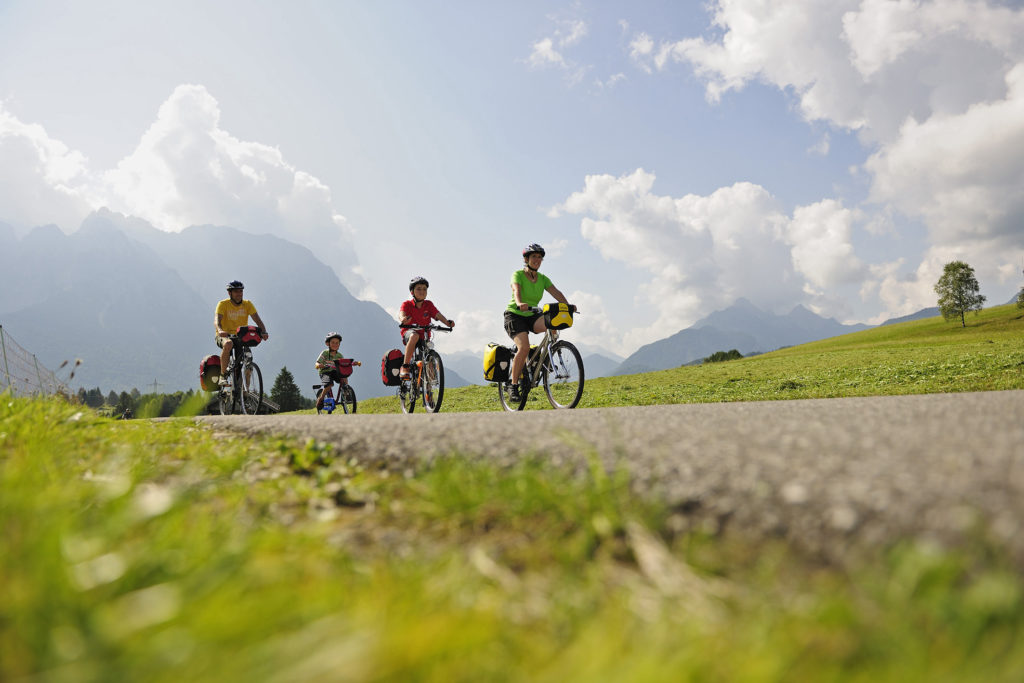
x=829 y=475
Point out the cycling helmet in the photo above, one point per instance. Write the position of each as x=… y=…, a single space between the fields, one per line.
x=533 y=249
x=236 y=284
x=332 y=335
x=418 y=280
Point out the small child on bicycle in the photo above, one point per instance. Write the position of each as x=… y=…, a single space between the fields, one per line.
x=417 y=311
x=328 y=370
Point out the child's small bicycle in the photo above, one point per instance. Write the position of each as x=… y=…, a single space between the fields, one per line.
x=427 y=378
x=345 y=396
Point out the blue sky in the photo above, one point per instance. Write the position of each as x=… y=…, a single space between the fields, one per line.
x=672 y=155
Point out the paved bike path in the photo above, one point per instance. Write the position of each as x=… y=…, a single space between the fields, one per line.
x=827 y=474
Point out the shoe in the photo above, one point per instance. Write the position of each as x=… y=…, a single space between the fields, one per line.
x=405 y=375
x=224 y=381
x=513 y=394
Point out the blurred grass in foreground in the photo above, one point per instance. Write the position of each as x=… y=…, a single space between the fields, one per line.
x=916 y=357
x=163 y=552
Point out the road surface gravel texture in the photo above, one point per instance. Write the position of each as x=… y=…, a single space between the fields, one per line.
x=828 y=475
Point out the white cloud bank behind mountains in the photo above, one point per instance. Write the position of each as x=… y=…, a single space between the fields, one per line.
x=186 y=170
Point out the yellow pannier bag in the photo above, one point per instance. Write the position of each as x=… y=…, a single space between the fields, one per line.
x=558 y=316
x=497 y=362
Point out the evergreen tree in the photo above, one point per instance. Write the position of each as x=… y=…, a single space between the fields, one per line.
x=112 y=398
x=285 y=392
x=958 y=291
x=1020 y=298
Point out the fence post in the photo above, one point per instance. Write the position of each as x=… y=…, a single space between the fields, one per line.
x=7 y=370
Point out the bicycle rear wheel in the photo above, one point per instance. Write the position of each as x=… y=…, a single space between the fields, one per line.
x=504 y=389
x=252 y=388
x=563 y=376
x=347 y=398
x=432 y=381
x=225 y=399
x=407 y=395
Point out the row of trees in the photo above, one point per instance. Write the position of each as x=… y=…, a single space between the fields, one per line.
x=285 y=393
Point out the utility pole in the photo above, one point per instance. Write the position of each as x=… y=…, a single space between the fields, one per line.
x=155 y=385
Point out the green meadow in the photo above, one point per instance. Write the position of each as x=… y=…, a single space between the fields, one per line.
x=917 y=357
x=163 y=551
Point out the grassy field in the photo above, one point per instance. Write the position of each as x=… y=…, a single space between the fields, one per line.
x=160 y=551
x=918 y=357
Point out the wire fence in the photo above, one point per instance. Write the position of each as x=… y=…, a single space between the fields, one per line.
x=22 y=373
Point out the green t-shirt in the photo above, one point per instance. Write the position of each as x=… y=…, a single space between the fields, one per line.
x=530 y=292
x=327 y=357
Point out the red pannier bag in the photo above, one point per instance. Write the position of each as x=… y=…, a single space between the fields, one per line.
x=249 y=335
x=209 y=372
x=391 y=367
x=344 y=366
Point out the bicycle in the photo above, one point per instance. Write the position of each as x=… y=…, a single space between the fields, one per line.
x=427 y=378
x=556 y=364
x=244 y=389
x=345 y=396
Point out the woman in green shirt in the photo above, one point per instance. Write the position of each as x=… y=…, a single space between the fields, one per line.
x=528 y=287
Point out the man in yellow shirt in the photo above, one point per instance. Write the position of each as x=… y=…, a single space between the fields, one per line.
x=231 y=314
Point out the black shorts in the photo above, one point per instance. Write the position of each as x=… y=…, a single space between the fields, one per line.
x=329 y=376
x=517 y=324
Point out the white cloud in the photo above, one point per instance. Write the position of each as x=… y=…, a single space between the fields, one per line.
x=935 y=89
x=545 y=54
x=550 y=50
x=700 y=253
x=186 y=170
x=963 y=174
x=41 y=180
x=820 y=235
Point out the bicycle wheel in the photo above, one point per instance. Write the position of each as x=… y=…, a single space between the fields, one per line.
x=432 y=381
x=407 y=395
x=506 y=400
x=347 y=399
x=563 y=376
x=252 y=389
x=225 y=399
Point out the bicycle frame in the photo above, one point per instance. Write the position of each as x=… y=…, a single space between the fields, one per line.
x=535 y=359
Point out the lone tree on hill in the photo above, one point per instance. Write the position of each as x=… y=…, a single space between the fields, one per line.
x=958 y=291
x=285 y=391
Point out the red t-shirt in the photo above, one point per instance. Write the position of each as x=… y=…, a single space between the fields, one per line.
x=420 y=315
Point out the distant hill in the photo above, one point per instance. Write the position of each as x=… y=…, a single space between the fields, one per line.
x=743 y=327
x=923 y=313
x=136 y=303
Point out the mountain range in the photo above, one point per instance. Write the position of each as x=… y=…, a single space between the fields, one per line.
x=136 y=303
x=743 y=327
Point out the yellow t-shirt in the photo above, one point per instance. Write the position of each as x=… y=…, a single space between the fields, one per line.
x=234 y=316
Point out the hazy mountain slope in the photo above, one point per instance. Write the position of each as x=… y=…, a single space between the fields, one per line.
x=741 y=326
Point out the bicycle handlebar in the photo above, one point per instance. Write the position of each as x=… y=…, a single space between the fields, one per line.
x=431 y=326
x=540 y=309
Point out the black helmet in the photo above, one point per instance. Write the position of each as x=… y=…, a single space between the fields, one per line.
x=236 y=284
x=533 y=249
x=418 y=280
x=332 y=335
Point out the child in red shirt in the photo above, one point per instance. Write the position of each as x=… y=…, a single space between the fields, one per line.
x=417 y=311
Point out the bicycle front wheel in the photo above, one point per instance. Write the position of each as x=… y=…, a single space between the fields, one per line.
x=432 y=381
x=252 y=389
x=347 y=399
x=563 y=376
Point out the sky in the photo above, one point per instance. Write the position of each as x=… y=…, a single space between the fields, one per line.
x=670 y=156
